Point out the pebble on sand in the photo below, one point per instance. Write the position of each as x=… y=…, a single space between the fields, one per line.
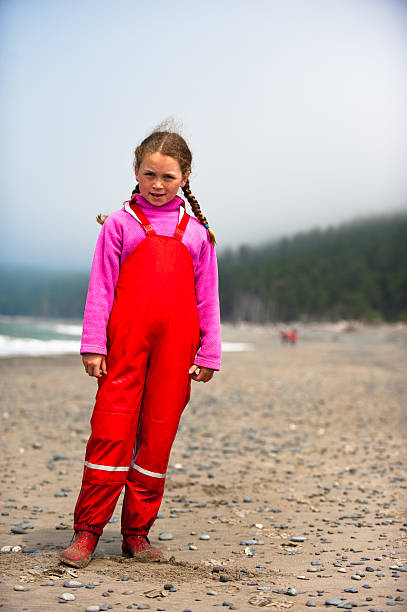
x=291 y=591
x=21 y=587
x=165 y=536
x=73 y=584
x=67 y=597
x=18 y=530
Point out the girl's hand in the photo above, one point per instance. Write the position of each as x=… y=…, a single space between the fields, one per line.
x=95 y=365
x=204 y=374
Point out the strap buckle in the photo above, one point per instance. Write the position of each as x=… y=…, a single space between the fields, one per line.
x=178 y=233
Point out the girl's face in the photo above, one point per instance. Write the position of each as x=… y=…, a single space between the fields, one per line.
x=159 y=177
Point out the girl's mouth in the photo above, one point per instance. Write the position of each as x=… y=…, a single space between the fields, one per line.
x=157 y=195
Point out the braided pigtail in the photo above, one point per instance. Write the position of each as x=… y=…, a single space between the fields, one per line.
x=101 y=218
x=196 y=209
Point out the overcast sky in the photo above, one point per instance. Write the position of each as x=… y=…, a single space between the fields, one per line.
x=295 y=111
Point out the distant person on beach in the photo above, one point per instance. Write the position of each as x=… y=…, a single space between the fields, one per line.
x=151 y=324
x=289 y=336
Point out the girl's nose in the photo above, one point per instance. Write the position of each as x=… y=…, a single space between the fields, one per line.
x=157 y=182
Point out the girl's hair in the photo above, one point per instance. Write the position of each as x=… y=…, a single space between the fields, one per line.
x=173 y=145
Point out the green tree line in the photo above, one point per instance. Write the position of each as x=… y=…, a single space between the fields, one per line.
x=42 y=293
x=356 y=270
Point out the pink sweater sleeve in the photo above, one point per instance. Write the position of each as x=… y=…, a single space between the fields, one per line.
x=206 y=289
x=102 y=284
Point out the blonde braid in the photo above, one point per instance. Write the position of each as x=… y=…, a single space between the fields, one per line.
x=196 y=209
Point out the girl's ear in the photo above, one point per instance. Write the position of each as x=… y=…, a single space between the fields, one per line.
x=136 y=172
x=186 y=177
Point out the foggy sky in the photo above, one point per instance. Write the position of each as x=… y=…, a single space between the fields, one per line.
x=296 y=113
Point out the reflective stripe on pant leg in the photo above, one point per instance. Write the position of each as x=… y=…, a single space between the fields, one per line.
x=102 y=483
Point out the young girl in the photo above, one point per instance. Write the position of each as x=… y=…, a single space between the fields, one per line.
x=151 y=324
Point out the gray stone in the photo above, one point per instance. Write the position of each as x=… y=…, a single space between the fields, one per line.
x=21 y=587
x=165 y=536
x=73 y=584
x=67 y=597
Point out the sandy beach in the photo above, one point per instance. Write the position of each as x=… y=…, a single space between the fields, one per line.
x=286 y=486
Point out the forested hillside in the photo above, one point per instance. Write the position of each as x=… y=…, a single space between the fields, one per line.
x=357 y=270
x=42 y=293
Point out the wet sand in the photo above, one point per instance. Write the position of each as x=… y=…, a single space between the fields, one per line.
x=292 y=461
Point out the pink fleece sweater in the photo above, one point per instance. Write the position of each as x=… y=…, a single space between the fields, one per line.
x=120 y=235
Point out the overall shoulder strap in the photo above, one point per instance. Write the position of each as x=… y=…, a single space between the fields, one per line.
x=147 y=227
x=182 y=224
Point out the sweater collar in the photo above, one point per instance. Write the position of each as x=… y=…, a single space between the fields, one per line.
x=170 y=206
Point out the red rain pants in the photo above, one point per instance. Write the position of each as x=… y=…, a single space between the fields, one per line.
x=153 y=336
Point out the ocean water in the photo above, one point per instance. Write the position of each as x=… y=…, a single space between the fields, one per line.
x=25 y=336
x=29 y=336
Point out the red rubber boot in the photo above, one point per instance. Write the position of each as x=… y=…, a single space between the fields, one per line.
x=79 y=553
x=138 y=547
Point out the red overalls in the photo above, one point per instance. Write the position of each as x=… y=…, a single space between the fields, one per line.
x=153 y=336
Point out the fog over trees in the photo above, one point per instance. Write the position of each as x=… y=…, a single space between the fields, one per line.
x=357 y=270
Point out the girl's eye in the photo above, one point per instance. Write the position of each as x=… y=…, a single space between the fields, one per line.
x=169 y=178
x=148 y=173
